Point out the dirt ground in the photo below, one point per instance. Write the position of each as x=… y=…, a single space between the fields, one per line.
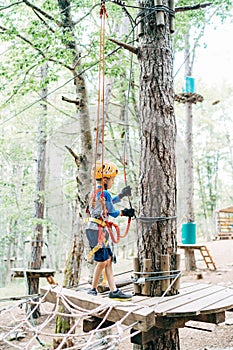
x=209 y=336
x=196 y=336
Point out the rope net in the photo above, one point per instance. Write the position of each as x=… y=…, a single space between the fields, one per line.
x=18 y=330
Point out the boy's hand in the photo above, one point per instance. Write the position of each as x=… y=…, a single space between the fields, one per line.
x=126 y=191
x=128 y=212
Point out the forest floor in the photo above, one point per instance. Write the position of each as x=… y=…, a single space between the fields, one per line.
x=196 y=336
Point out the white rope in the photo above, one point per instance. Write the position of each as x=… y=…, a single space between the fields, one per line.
x=168 y=288
x=82 y=341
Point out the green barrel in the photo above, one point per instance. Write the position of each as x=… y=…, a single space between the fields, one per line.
x=189 y=233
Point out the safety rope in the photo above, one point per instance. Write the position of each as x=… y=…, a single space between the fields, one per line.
x=101 y=117
x=101 y=91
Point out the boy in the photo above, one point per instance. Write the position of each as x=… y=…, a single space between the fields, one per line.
x=99 y=208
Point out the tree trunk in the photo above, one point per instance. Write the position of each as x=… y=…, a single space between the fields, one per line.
x=84 y=158
x=157 y=180
x=83 y=161
x=37 y=242
x=188 y=174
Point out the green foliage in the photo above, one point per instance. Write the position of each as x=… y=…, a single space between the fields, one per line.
x=31 y=39
x=194 y=21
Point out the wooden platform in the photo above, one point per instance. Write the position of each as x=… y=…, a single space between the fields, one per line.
x=190 y=262
x=199 y=302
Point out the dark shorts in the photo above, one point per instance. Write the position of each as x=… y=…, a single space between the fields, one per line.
x=103 y=253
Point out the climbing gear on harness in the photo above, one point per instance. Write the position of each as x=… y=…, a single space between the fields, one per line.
x=126 y=191
x=107 y=169
x=105 y=229
x=97 y=221
x=128 y=212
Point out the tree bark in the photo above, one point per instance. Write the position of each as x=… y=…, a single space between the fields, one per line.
x=188 y=175
x=37 y=242
x=157 y=179
x=83 y=161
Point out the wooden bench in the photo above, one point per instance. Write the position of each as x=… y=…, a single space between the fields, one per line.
x=34 y=273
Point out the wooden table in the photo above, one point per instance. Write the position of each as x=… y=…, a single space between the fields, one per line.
x=32 y=273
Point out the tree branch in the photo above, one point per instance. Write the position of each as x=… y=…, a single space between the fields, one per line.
x=87 y=14
x=77 y=158
x=194 y=7
x=125 y=46
x=43 y=21
x=43 y=13
x=66 y=99
x=20 y=84
x=8 y=6
x=37 y=49
x=25 y=40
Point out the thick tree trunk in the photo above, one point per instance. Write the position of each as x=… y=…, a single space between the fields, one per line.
x=157 y=180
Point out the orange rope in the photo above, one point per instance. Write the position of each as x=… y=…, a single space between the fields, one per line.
x=101 y=91
x=103 y=15
x=100 y=113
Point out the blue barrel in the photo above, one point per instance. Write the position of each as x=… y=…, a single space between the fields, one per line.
x=189 y=85
x=189 y=233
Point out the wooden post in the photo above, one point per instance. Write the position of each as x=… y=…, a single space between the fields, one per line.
x=140 y=25
x=190 y=262
x=147 y=266
x=165 y=266
x=171 y=17
x=159 y=14
x=137 y=287
x=177 y=267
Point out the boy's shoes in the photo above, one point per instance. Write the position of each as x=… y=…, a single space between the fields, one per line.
x=92 y=291
x=119 y=295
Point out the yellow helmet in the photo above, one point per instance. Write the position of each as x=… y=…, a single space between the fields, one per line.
x=107 y=169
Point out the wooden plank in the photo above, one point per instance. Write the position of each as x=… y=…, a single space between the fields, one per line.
x=215 y=301
x=93 y=322
x=179 y=322
x=190 y=303
x=144 y=338
x=143 y=316
x=186 y=290
x=191 y=246
x=215 y=318
x=225 y=303
x=170 y=322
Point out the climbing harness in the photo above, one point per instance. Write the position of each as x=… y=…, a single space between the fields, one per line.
x=103 y=228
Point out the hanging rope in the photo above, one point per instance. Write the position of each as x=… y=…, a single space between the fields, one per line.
x=103 y=224
x=101 y=90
